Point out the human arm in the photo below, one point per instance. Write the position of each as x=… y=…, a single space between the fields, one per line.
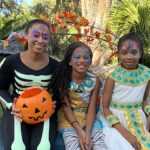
x=5 y=80
x=6 y=76
x=91 y=114
x=70 y=116
x=146 y=105
x=107 y=95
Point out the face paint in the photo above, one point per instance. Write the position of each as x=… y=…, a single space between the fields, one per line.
x=86 y=57
x=36 y=33
x=75 y=59
x=45 y=37
x=135 y=46
x=43 y=28
x=129 y=47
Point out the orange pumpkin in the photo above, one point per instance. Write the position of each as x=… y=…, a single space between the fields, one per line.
x=35 y=105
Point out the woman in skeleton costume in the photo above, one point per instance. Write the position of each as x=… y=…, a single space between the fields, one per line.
x=22 y=70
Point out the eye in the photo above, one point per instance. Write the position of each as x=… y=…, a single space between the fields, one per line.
x=123 y=52
x=43 y=100
x=25 y=106
x=76 y=57
x=86 y=57
x=134 y=52
x=46 y=38
x=35 y=35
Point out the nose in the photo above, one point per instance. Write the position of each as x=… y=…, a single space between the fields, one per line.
x=129 y=56
x=37 y=110
x=81 y=59
x=40 y=39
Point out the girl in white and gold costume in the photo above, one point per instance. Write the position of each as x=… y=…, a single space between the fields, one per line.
x=125 y=92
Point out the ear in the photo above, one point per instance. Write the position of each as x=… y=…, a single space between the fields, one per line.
x=140 y=55
x=70 y=64
x=26 y=37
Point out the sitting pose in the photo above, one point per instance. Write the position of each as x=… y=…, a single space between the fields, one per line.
x=22 y=71
x=78 y=90
x=125 y=93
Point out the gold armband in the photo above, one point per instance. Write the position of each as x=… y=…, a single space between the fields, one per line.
x=147 y=109
x=112 y=120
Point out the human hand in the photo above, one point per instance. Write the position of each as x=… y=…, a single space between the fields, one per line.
x=148 y=122
x=88 y=141
x=133 y=141
x=82 y=140
x=15 y=111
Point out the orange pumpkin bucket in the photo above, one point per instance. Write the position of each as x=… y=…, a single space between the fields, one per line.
x=35 y=105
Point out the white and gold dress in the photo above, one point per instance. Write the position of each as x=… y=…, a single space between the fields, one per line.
x=127 y=98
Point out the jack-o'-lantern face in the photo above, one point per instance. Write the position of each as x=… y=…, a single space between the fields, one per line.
x=35 y=105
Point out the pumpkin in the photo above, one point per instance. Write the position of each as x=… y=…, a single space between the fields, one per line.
x=35 y=105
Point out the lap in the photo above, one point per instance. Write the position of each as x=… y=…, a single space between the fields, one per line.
x=30 y=133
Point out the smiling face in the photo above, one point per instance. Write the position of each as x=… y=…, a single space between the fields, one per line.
x=129 y=54
x=81 y=59
x=38 y=38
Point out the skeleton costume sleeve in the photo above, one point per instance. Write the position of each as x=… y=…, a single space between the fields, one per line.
x=5 y=80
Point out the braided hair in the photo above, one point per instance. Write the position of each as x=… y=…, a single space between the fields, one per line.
x=61 y=78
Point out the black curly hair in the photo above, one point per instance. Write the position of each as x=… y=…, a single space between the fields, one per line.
x=62 y=76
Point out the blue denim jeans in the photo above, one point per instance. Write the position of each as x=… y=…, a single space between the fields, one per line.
x=59 y=144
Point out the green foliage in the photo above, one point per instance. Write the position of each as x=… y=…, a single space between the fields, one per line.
x=9 y=6
x=44 y=7
x=132 y=16
x=14 y=22
x=68 y=5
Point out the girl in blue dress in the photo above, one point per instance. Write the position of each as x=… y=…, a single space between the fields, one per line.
x=78 y=89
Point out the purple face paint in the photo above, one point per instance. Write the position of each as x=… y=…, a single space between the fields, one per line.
x=135 y=46
x=45 y=38
x=43 y=28
x=45 y=34
x=38 y=32
x=130 y=47
x=34 y=35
